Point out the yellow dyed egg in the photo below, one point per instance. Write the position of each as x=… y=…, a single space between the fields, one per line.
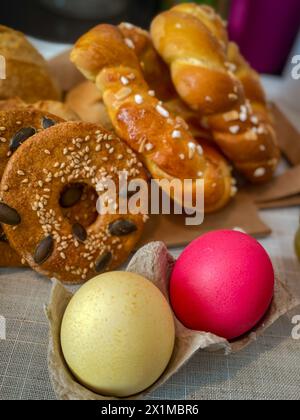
x=118 y=334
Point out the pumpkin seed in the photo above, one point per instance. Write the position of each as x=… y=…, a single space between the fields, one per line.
x=122 y=227
x=79 y=232
x=21 y=136
x=47 y=123
x=103 y=262
x=8 y=215
x=44 y=250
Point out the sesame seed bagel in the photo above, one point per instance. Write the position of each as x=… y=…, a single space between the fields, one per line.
x=55 y=162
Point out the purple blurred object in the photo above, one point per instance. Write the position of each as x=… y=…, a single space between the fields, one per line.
x=265 y=31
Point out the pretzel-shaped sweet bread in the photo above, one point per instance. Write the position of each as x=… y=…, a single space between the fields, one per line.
x=193 y=42
x=162 y=140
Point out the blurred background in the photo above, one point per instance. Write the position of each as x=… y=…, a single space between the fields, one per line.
x=266 y=30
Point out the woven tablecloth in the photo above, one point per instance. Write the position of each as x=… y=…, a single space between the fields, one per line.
x=268 y=369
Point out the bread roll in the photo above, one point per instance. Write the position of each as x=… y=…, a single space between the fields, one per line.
x=27 y=75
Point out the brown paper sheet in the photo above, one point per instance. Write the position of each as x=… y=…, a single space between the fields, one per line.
x=155 y=263
x=288 y=136
x=241 y=213
x=282 y=187
x=280 y=204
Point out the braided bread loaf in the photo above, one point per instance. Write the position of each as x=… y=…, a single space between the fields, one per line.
x=163 y=141
x=193 y=41
x=158 y=77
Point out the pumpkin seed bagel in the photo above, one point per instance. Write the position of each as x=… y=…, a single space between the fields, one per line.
x=52 y=162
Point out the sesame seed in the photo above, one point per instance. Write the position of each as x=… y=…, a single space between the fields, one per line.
x=254 y=119
x=25 y=181
x=200 y=150
x=208 y=99
x=243 y=117
x=261 y=129
x=131 y=76
x=98 y=148
x=128 y=25
x=176 y=134
x=138 y=99
x=181 y=156
x=40 y=184
x=3 y=140
x=239 y=229
x=2 y=128
x=231 y=116
x=149 y=147
x=232 y=96
x=5 y=188
x=21 y=173
x=47 y=152
x=151 y=93
x=262 y=147
x=260 y=172
x=192 y=149
x=251 y=135
x=233 y=191
x=162 y=111
x=234 y=129
x=123 y=93
x=200 y=174
x=231 y=67
x=129 y=43
x=124 y=81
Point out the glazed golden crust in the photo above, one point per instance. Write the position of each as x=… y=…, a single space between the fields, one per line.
x=68 y=153
x=162 y=140
x=12 y=121
x=86 y=101
x=27 y=75
x=197 y=62
x=155 y=71
x=192 y=42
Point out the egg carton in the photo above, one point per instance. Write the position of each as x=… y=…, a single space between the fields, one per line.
x=154 y=262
